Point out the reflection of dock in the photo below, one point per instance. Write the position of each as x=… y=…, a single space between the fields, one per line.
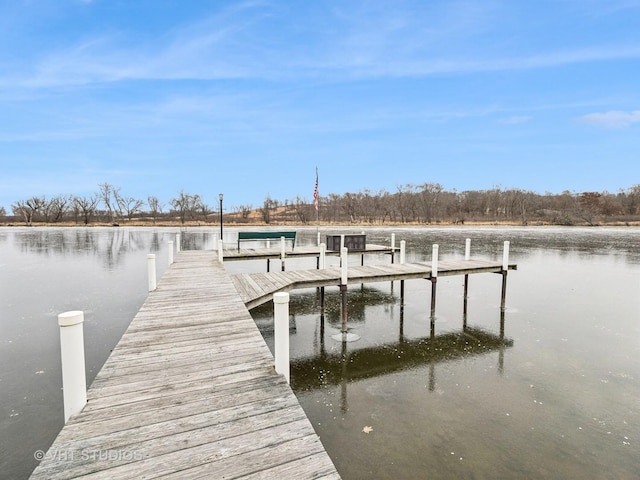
x=405 y=354
x=258 y=288
x=189 y=392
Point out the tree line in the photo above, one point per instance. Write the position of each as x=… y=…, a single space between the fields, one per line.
x=427 y=203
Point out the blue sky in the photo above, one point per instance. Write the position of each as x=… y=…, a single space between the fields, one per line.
x=247 y=98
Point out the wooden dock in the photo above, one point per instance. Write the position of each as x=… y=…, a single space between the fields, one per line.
x=231 y=254
x=258 y=288
x=189 y=392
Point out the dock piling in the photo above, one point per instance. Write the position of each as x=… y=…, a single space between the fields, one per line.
x=281 y=333
x=505 y=269
x=170 y=249
x=402 y=261
x=151 y=270
x=434 y=279
x=74 y=383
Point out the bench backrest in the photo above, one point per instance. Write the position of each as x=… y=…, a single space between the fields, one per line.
x=266 y=236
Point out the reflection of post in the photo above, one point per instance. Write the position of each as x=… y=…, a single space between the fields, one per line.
x=501 y=348
x=432 y=377
x=322 y=351
x=344 y=406
x=401 y=334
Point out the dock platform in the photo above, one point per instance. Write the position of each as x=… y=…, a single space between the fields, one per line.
x=258 y=288
x=189 y=392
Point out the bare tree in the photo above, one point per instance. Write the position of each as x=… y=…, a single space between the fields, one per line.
x=57 y=208
x=27 y=209
x=108 y=194
x=267 y=206
x=86 y=207
x=128 y=206
x=244 y=210
x=155 y=207
x=186 y=205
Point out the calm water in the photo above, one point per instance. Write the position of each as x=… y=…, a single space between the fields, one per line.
x=550 y=389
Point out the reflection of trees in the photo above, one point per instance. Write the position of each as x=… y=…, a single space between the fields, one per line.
x=333 y=369
x=111 y=246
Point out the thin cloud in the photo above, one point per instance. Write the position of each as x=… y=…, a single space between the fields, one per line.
x=612 y=119
x=515 y=120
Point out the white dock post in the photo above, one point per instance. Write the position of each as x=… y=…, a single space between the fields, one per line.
x=151 y=270
x=323 y=256
x=505 y=269
x=170 y=252
x=220 y=253
x=393 y=248
x=403 y=246
x=344 y=251
x=178 y=244
x=74 y=382
x=465 y=295
x=281 y=333
x=434 y=280
x=505 y=256
x=282 y=251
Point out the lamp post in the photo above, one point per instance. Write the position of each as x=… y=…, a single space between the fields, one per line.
x=220 y=197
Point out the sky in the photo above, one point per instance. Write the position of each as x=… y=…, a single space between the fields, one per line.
x=247 y=98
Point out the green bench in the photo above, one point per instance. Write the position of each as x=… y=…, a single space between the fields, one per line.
x=247 y=236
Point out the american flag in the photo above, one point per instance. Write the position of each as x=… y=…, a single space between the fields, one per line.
x=315 y=192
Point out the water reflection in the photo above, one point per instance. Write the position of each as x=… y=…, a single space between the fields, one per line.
x=111 y=246
x=351 y=364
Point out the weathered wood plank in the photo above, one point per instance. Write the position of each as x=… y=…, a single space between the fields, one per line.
x=189 y=388
x=271 y=283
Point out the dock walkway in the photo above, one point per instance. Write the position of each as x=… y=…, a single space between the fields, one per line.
x=189 y=392
x=258 y=288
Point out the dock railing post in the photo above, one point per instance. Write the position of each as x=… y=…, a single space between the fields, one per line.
x=74 y=382
x=282 y=251
x=220 y=253
x=178 y=244
x=393 y=247
x=343 y=286
x=434 y=279
x=322 y=264
x=281 y=333
x=403 y=246
x=467 y=256
x=170 y=252
x=505 y=269
x=151 y=270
